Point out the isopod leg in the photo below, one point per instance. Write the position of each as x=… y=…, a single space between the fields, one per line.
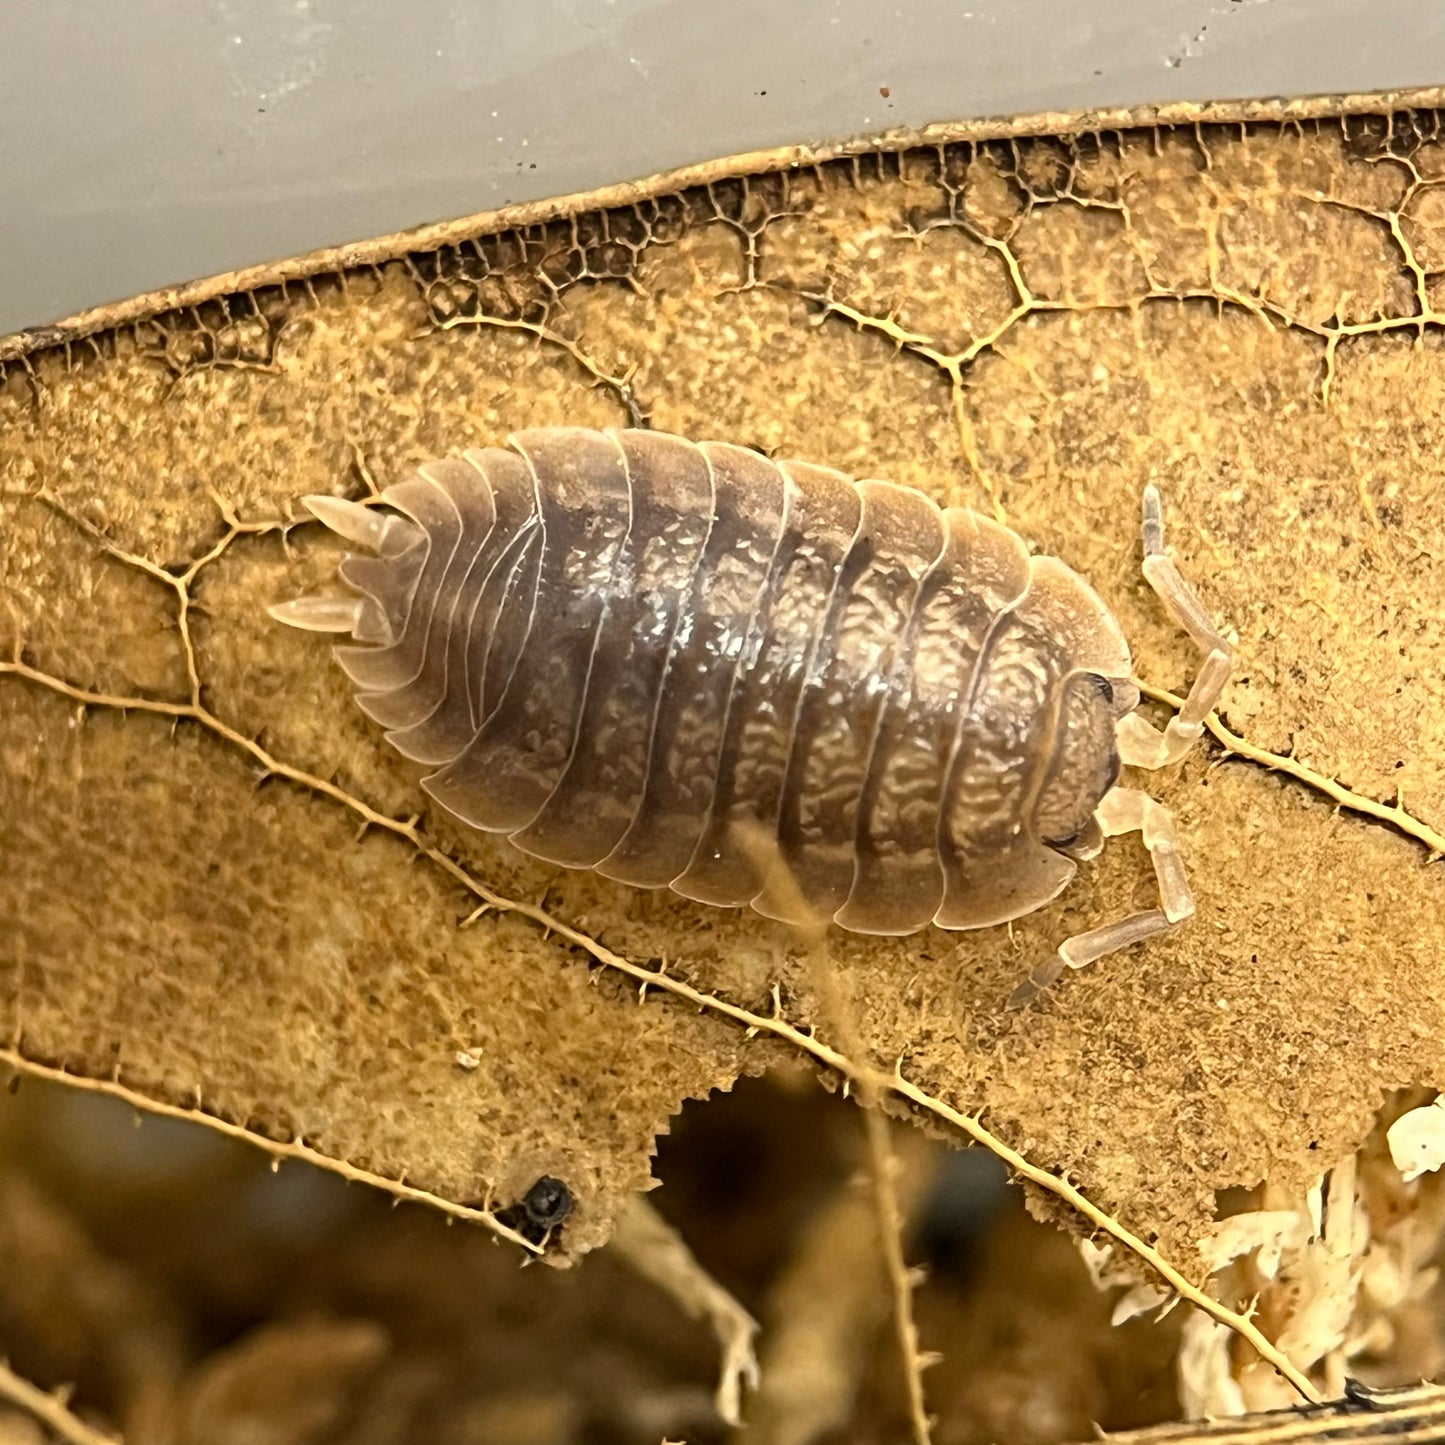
x=1141 y=745
x=319 y=614
x=1123 y=810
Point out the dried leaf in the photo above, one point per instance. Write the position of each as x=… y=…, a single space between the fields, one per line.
x=1417 y=1140
x=1269 y=1231
x=1030 y=324
x=1137 y=1301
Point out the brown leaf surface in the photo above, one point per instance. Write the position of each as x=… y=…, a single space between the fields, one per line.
x=1030 y=324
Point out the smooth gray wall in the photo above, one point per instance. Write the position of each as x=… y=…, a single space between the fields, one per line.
x=154 y=141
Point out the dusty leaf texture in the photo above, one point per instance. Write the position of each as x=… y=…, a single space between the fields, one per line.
x=221 y=891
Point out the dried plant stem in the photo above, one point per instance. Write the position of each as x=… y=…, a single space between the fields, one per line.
x=883 y=1166
x=51 y=1410
x=12 y=1058
x=659 y=1253
x=1412 y=1416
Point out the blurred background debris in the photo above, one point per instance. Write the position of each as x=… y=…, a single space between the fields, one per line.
x=193 y=1295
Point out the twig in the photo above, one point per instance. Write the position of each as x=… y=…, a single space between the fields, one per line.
x=883 y=1167
x=659 y=1253
x=11 y=1058
x=1412 y=1416
x=52 y=1410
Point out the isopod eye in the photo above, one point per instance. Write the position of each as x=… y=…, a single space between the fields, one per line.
x=1106 y=688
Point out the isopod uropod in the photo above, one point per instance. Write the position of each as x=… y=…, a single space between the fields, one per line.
x=631 y=652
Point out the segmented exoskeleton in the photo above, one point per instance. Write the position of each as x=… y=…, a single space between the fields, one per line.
x=635 y=653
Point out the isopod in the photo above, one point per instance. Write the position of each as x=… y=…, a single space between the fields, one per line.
x=634 y=653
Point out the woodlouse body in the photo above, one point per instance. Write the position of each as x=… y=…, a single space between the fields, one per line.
x=634 y=653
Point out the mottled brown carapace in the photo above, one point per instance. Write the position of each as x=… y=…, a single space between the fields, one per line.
x=631 y=652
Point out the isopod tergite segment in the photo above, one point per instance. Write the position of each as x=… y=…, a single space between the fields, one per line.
x=759 y=682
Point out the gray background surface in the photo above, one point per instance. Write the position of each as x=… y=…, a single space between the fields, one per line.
x=156 y=141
